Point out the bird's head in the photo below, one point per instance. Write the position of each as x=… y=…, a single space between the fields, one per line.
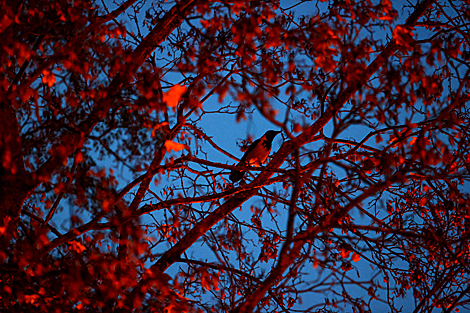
x=270 y=134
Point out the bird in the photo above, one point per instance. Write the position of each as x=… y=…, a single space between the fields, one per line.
x=255 y=155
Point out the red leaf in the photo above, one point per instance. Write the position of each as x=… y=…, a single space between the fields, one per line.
x=171 y=145
x=77 y=247
x=173 y=96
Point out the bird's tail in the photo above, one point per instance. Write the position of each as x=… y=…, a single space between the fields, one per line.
x=236 y=175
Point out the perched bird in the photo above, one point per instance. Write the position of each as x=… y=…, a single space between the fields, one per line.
x=255 y=155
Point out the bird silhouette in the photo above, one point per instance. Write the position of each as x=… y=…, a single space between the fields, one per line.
x=255 y=155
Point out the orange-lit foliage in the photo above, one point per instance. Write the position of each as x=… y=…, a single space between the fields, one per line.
x=114 y=191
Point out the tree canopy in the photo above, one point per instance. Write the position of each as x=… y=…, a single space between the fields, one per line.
x=121 y=121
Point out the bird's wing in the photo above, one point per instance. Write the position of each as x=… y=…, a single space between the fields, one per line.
x=250 y=148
